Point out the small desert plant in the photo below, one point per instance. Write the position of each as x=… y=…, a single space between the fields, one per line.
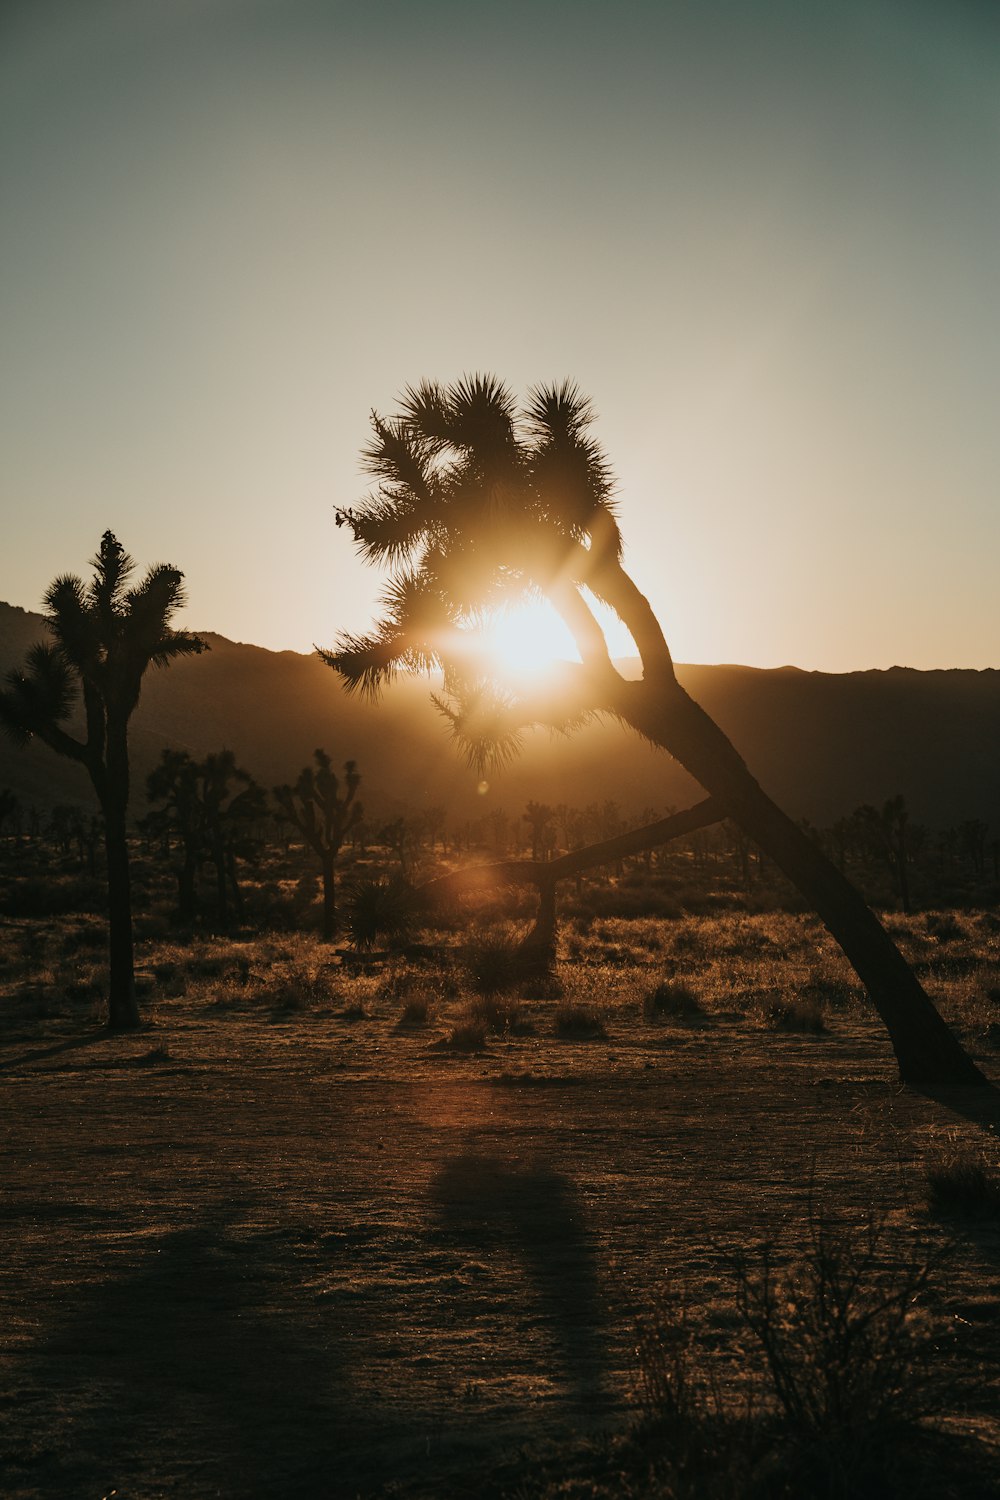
x=579 y=1023
x=671 y=999
x=790 y=1013
x=542 y=987
x=493 y=959
x=500 y=1014
x=844 y=1333
x=467 y=1036
x=666 y=1385
x=962 y=1183
x=944 y=926
x=380 y=910
x=418 y=1010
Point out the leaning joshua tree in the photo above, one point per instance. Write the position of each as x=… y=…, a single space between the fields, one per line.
x=104 y=636
x=324 y=816
x=479 y=502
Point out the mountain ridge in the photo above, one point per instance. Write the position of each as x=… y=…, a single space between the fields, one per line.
x=821 y=743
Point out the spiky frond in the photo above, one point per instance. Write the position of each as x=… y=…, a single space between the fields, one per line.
x=112 y=568
x=40 y=698
x=73 y=621
x=557 y=413
x=401 y=457
x=150 y=607
x=366 y=662
x=488 y=720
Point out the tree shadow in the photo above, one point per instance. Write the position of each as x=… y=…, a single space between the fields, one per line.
x=56 y=1049
x=980 y=1106
x=533 y=1214
x=194 y=1368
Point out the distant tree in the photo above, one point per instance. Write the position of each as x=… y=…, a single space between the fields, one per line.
x=324 y=815
x=974 y=834
x=104 y=637
x=10 y=811
x=481 y=502
x=885 y=830
x=401 y=836
x=435 y=820
x=538 y=816
x=212 y=806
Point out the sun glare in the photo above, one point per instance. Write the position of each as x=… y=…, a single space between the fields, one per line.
x=529 y=640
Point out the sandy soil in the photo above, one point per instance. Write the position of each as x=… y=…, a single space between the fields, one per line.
x=327 y=1256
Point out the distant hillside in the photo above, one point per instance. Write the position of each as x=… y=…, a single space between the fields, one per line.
x=819 y=743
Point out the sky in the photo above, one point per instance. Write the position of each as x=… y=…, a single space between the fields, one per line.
x=765 y=239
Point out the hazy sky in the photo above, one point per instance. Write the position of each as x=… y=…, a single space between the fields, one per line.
x=765 y=237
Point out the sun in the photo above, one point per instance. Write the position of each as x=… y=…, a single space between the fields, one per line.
x=528 y=640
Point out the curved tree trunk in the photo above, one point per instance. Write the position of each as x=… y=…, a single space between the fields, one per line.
x=927 y=1052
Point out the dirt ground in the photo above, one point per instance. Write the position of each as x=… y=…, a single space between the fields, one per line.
x=250 y=1253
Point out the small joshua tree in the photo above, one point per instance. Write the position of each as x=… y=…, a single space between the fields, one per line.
x=104 y=636
x=538 y=815
x=324 y=816
x=212 y=818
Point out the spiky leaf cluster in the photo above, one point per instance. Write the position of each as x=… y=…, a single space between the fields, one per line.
x=477 y=501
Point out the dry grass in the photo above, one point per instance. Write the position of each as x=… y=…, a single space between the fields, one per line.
x=351 y=1252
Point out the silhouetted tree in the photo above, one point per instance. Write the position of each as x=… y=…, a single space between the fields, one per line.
x=212 y=806
x=480 y=503
x=538 y=816
x=973 y=835
x=10 y=810
x=324 y=816
x=105 y=636
x=884 y=830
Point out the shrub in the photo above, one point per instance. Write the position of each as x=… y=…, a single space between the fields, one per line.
x=671 y=998
x=492 y=959
x=379 y=910
x=499 y=1014
x=962 y=1183
x=579 y=1023
x=467 y=1036
x=790 y=1013
x=418 y=1010
x=844 y=1334
x=944 y=926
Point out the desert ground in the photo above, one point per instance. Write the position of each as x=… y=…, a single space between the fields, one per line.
x=334 y=1226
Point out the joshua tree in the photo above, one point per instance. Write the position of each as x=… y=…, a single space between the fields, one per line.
x=105 y=635
x=538 y=816
x=324 y=816
x=213 y=820
x=478 y=503
x=885 y=835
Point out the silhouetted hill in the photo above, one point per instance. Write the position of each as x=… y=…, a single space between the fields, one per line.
x=820 y=743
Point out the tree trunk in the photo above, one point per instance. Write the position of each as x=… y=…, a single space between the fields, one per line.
x=329 y=930
x=123 y=1008
x=926 y=1051
x=187 y=899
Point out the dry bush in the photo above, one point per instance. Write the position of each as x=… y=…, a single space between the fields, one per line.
x=944 y=926
x=963 y=1183
x=466 y=1036
x=848 y=1347
x=789 y=1013
x=671 y=1000
x=492 y=959
x=578 y=1023
x=500 y=1014
x=418 y=1010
